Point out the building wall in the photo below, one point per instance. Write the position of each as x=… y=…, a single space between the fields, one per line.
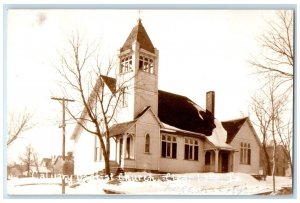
x=180 y=165
x=147 y=124
x=145 y=95
x=246 y=135
x=126 y=113
x=84 y=155
x=153 y=160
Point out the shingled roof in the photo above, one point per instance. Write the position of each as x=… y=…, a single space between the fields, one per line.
x=140 y=35
x=110 y=82
x=120 y=128
x=232 y=127
x=180 y=112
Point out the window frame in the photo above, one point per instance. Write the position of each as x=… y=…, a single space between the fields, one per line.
x=146 y=64
x=245 y=153
x=123 y=98
x=147 y=143
x=191 y=149
x=129 y=150
x=125 y=64
x=169 y=146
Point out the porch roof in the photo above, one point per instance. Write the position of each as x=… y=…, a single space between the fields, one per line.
x=120 y=128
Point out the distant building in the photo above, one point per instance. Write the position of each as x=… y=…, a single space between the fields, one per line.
x=58 y=165
x=282 y=166
x=46 y=167
x=159 y=131
x=60 y=168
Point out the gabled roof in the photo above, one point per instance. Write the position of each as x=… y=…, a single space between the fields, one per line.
x=232 y=127
x=180 y=112
x=58 y=158
x=139 y=34
x=110 y=82
x=46 y=161
x=120 y=128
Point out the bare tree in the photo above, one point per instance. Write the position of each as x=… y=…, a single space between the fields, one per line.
x=277 y=43
x=35 y=160
x=276 y=65
x=284 y=131
x=18 y=123
x=29 y=159
x=81 y=70
x=269 y=109
x=262 y=122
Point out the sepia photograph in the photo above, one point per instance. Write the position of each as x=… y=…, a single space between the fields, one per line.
x=155 y=101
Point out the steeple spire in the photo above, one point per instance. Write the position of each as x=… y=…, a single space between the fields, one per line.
x=139 y=35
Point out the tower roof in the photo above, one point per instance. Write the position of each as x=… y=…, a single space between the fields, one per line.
x=139 y=34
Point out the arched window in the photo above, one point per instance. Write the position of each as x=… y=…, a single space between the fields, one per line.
x=147 y=143
x=129 y=148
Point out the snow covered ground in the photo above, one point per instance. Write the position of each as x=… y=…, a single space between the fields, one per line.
x=152 y=184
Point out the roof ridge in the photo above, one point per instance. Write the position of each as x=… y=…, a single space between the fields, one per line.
x=174 y=94
x=237 y=119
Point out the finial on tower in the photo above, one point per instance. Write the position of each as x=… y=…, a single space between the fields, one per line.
x=139 y=20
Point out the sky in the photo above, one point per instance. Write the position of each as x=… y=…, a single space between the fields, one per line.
x=199 y=51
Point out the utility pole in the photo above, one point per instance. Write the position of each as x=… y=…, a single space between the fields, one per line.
x=63 y=135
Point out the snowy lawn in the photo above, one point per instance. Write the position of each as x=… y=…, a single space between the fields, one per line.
x=153 y=184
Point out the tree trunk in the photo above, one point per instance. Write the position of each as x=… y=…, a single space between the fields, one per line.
x=28 y=169
x=274 y=167
x=107 y=166
x=269 y=172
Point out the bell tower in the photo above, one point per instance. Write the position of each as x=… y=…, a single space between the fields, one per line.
x=138 y=74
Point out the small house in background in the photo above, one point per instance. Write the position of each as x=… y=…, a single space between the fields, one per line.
x=60 y=168
x=282 y=167
x=58 y=165
x=16 y=170
x=46 y=167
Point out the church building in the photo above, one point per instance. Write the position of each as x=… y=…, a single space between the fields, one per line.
x=159 y=131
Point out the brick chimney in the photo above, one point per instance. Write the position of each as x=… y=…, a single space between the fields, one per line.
x=210 y=102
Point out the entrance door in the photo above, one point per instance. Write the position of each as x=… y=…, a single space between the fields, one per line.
x=224 y=157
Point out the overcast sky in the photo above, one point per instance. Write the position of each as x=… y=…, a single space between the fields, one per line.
x=199 y=51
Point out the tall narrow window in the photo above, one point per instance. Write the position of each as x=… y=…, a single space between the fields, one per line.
x=168 y=146
x=249 y=154
x=245 y=153
x=123 y=98
x=191 y=149
x=129 y=148
x=128 y=143
x=147 y=143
